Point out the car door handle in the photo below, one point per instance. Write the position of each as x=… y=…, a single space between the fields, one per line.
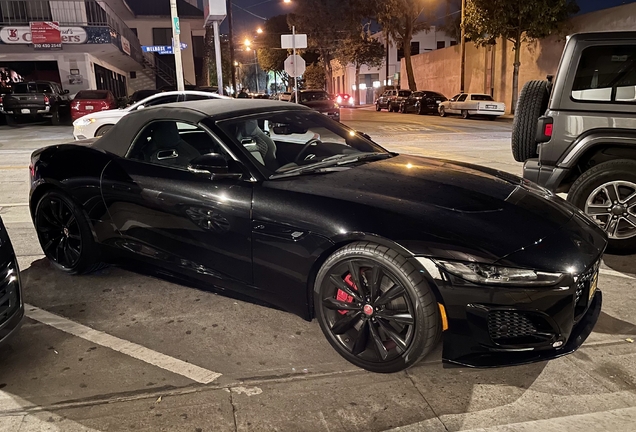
x=120 y=187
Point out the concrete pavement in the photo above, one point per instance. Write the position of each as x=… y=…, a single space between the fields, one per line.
x=101 y=367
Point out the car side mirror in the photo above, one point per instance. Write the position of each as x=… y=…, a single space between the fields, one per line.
x=65 y=92
x=213 y=166
x=140 y=107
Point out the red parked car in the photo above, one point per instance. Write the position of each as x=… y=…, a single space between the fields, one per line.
x=89 y=101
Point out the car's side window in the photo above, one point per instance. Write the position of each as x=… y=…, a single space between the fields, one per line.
x=454 y=98
x=161 y=100
x=191 y=97
x=462 y=98
x=173 y=143
x=606 y=74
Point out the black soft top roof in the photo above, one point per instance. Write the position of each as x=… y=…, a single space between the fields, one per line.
x=119 y=138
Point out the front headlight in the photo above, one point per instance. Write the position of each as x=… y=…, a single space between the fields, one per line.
x=496 y=275
x=336 y=106
x=83 y=121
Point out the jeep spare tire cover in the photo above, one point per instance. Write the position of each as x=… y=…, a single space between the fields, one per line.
x=532 y=104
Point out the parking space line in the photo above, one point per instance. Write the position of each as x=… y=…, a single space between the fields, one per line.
x=610 y=272
x=14 y=205
x=179 y=367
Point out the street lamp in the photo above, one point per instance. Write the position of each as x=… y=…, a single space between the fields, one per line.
x=229 y=5
x=259 y=30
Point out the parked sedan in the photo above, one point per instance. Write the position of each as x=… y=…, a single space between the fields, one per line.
x=91 y=101
x=11 y=305
x=320 y=101
x=98 y=123
x=422 y=102
x=471 y=104
x=388 y=252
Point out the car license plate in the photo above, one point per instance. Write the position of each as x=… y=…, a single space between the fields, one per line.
x=491 y=106
x=89 y=107
x=25 y=111
x=593 y=286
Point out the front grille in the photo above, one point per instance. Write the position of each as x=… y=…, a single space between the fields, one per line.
x=9 y=296
x=583 y=286
x=516 y=328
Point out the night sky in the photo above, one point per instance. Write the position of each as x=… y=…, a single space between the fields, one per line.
x=246 y=23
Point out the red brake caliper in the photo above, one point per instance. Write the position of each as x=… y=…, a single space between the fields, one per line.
x=343 y=296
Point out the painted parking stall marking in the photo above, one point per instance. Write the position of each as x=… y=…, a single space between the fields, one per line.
x=171 y=364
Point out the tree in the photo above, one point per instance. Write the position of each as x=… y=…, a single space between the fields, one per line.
x=327 y=23
x=400 y=20
x=518 y=22
x=271 y=57
x=314 y=77
x=359 y=50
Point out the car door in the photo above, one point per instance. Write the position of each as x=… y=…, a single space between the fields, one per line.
x=166 y=213
x=458 y=104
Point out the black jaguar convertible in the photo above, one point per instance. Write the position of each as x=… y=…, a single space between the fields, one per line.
x=390 y=253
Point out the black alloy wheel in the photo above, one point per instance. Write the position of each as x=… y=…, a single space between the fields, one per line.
x=56 y=120
x=420 y=109
x=102 y=130
x=403 y=108
x=377 y=107
x=375 y=308
x=64 y=234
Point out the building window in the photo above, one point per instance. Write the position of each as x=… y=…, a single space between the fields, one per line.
x=441 y=44
x=134 y=30
x=25 y=11
x=162 y=36
x=453 y=43
x=415 y=50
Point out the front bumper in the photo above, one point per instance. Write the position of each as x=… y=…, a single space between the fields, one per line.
x=491 y=326
x=27 y=110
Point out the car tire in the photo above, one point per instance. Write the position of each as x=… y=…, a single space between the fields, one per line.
x=442 y=111
x=65 y=234
x=11 y=120
x=402 y=108
x=56 y=119
x=491 y=117
x=532 y=104
x=465 y=114
x=102 y=130
x=588 y=188
x=420 y=110
x=377 y=107
x=399 y=324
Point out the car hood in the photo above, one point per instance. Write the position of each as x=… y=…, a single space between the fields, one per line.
x=319 y=105
x=438 y=207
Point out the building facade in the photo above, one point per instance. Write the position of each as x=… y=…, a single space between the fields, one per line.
x=373 y=78
x=101 y=43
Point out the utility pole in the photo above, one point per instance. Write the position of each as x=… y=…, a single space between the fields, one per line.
x=388 y=58
x=463 y=50
x=231 y=35
x=295 y=74
x=219 y=64
x=176 y=44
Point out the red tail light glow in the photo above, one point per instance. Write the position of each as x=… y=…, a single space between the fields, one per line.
x=548 y=130
x=46 y=99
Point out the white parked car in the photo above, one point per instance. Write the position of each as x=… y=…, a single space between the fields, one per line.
x=285 y=97
x=471 y=104
x=98 y=123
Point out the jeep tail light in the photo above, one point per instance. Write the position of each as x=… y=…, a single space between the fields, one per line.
x=46 y=99
x=547 y=130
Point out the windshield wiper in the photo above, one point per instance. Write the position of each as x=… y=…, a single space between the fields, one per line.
x=332 y=163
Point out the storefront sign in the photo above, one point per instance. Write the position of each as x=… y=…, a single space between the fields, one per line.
x=125 y=45
x=45 y=35
x=23 y=35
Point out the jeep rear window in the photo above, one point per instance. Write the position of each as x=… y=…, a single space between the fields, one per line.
x=606 y=74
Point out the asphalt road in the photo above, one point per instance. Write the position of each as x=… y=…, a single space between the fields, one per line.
x=118 y=351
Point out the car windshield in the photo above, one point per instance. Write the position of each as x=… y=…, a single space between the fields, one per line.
x=314 y=96
x=404 y=93
x=296 y=142
x=481 y=97
x=93 y=95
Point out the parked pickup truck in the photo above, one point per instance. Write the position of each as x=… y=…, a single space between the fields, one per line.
x=36 y=99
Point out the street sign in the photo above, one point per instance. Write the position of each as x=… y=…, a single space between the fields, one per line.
x=175 y=22
x=287 y=41
x=162 y=49
x=299 y=63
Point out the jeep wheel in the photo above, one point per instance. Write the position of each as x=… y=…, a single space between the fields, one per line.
x=532 y=104
x=56 y=120
x=607 y=194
